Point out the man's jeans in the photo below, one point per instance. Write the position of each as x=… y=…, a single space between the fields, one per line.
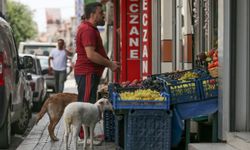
x=60 y=78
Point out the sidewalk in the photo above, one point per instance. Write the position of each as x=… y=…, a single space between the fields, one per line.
x=38 y=138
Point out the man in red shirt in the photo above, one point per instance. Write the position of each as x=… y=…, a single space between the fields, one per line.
x=91 y=56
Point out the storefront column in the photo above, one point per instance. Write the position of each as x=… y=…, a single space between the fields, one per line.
x=224 y=68
x=166 y=35
x=179 y=36
x=187 y=33
x=156 y=37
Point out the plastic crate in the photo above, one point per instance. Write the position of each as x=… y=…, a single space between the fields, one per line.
x=174 y=76
x=148 y=130
x=109 y=126
x=118 y=103
x=209 y=88
x=120 y=130
x=181 y=92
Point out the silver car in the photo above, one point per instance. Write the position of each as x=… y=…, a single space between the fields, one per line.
x=37 y=82
x=15 y=99
x=50 y=79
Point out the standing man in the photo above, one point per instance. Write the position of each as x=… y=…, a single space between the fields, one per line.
x=59 y=63
x=91 y=56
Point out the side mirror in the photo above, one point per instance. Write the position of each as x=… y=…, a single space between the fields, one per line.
x=27 y=62
x=45 y=71
x=29 y=77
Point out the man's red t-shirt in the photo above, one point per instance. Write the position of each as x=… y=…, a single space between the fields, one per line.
x=88 y=35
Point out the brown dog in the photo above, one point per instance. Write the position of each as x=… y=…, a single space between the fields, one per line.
x=54 y=106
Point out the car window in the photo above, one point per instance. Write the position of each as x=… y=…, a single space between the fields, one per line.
x=32 y=70
x=38 y=50
x=7 y=44
x=44 y=63
x=2 y=45
x=39 y=68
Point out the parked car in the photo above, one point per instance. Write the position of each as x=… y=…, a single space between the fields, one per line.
x=36 y=48
x=37 y=82
x=50 y=79
x=15 y=105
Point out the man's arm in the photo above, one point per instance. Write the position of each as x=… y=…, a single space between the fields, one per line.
x=99 y=59
x=49 y=67
x=49 y=60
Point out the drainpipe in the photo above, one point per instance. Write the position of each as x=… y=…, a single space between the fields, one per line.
x=174 y=35
x=179 y=51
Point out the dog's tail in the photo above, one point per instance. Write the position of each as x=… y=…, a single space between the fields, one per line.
x=42 y=111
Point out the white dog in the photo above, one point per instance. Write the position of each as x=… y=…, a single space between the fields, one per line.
x=77 y=114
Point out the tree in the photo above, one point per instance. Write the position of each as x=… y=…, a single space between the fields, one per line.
x=20 y=18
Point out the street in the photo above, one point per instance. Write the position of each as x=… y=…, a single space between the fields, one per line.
x=36 y=137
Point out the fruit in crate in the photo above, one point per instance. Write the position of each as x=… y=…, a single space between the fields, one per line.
x=134 y=83
x=212 y=58
x=211 y=52
x=150 y=83
x=213 y=64
x=142 y=94
x=189 y=75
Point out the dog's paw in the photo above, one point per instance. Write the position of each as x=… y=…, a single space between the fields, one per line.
x=55 y=139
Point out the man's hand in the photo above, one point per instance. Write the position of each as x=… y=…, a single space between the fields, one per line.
x=50 y=69
x=115 y=65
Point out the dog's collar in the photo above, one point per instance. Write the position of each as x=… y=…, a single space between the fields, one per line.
x=99 y=112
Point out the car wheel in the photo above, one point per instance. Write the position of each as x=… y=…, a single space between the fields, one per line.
x=21 y=125
x=5 y=132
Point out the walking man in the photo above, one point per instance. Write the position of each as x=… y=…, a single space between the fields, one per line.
x=59 y=63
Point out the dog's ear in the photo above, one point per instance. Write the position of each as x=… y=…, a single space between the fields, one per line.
x=101 y=102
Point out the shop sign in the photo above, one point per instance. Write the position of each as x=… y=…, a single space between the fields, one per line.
x=133 y=26
x=133 y=39
x=146 y=39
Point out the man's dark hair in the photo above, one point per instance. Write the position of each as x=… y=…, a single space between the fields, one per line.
x=83 y=17
x=60 y=40
x=91 y=8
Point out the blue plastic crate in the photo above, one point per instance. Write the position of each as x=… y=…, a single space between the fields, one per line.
x=120 y=130
x=148 y=130
x=181 y=92
x=174 y=76
x=109 y=126
x=118 y=103
x=208 y=88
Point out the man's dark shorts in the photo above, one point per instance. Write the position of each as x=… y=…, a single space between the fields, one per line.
x=82 y=87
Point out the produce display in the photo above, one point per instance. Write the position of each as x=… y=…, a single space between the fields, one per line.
x=189 y=75
x=209 y=60
x=212 y=58
x=174 y=87
x=142 y=94
x=210 y=88
x=149 y=83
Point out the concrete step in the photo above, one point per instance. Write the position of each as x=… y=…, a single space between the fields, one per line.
x=210 y=146
x=240 y=140
x=235 y=141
